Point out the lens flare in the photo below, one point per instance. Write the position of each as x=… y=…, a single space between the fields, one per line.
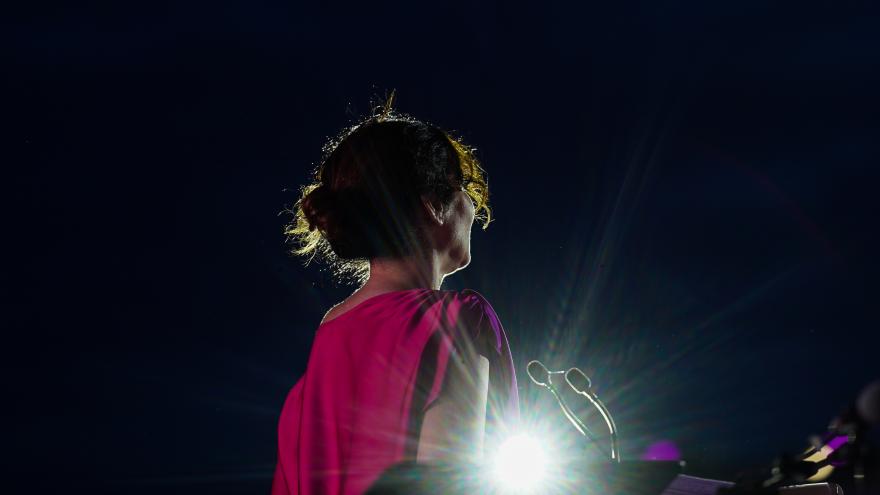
x=520 y=464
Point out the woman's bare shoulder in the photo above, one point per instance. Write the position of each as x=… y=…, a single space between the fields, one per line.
x=343 y=307
x=468 y=300
x=356 y=299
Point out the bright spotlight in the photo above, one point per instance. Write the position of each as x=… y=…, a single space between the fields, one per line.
x=520 y=464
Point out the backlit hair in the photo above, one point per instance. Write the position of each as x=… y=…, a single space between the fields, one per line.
x=366 y=195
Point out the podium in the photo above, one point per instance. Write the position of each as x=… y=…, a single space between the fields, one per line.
x=605 y=478
x=623 y=478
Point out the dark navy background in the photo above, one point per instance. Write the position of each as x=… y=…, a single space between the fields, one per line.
x=685 y=196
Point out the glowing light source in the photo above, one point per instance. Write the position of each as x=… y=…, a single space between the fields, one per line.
x=520 y=464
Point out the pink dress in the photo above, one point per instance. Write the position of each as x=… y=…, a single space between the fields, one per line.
x=373 y=372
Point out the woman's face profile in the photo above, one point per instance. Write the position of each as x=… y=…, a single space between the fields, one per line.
x=460 y=220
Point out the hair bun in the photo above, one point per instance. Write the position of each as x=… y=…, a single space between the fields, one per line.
x=317 y=206
x=344 y=218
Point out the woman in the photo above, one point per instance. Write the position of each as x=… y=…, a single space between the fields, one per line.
x=400 y=370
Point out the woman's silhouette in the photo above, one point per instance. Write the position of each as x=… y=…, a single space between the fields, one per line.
x=400 y=370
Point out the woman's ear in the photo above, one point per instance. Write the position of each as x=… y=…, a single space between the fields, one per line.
x=433 y=211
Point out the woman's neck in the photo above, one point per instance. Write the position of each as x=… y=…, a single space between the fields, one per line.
x=392 y=274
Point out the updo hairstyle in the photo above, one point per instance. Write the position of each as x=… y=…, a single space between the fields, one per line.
x=366 y=198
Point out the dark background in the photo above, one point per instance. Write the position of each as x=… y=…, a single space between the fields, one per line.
x=685 y=198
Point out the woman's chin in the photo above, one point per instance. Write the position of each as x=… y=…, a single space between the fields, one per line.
x=461 y=265
x=465 y=261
